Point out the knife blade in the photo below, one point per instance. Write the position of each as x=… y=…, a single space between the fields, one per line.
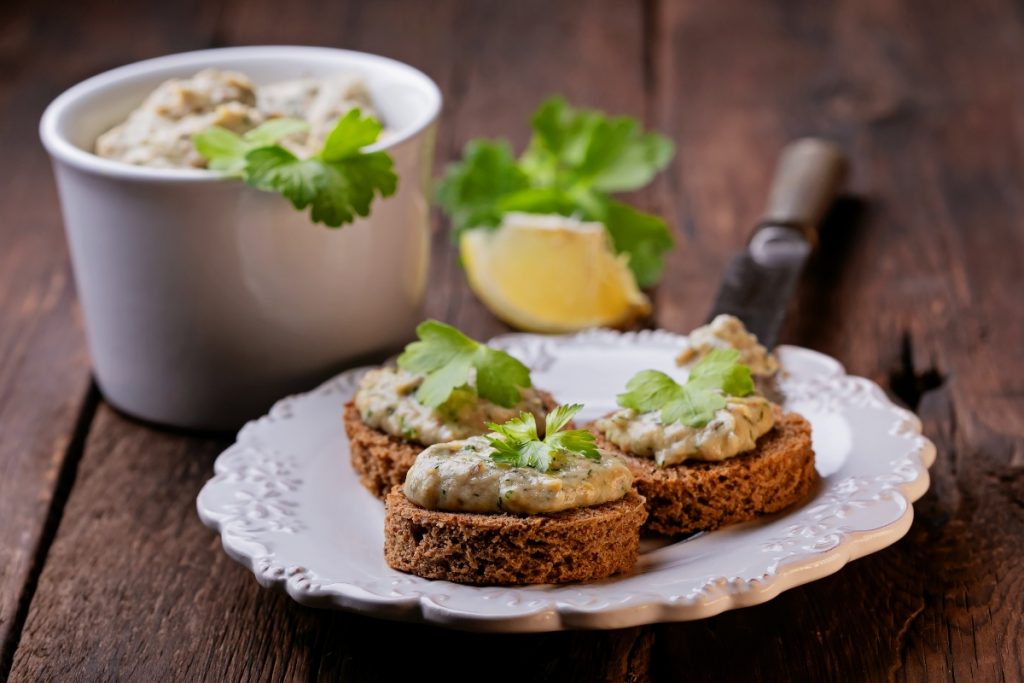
x=759 y=282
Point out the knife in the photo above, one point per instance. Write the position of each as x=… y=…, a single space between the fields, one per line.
x=759 y=281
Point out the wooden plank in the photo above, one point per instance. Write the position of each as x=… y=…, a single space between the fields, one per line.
x=43 y=359
x=922 y=297
x=135 y=587
x=918 y=298
x=43 y=364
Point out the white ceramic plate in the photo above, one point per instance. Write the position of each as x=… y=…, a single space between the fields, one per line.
x=288 y=505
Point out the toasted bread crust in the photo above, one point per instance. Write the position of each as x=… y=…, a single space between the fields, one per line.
x=701 y=496
x=582 y=544
x=382 y=460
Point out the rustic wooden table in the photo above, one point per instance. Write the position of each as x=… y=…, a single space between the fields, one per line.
x=919 y=287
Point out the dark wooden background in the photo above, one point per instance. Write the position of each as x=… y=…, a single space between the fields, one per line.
x=106 y=572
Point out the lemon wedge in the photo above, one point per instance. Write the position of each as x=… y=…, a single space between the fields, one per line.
x=545 y=273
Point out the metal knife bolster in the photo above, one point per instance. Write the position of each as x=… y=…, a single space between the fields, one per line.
x=759 y=282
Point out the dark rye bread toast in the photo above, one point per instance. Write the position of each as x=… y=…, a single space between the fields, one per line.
x=582 y=544
x=701 y=496
x=382 y=460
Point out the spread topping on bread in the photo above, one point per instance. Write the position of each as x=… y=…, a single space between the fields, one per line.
x=514 y=470
x=728 y=332
x=447 y=386
x=735 y=429
x=712 y=416
x=386 y=400
x=462 y=476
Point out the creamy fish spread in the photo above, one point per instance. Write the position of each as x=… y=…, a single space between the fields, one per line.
x=159 y=132
x=386 y=400
x=734 y=430
x=728 y=332
x=461 y=477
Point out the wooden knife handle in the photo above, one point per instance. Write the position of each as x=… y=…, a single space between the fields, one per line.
x=807 y=178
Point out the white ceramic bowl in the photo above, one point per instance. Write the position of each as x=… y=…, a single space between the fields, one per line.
x=205 y=300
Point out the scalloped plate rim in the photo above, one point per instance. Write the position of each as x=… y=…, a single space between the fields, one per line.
x=553 y=616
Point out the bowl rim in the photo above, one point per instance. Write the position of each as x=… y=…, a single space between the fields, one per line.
x=62 y=149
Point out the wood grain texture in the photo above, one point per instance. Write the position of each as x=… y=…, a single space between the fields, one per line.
x=44 y=380
x=911 y=290
x=163 y=614
x=917 y=286
x=136 y=588
x=43 y=364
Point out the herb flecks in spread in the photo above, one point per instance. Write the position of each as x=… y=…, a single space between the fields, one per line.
x=386 y=400
x=575 y=161
x=513 y=470
x=448 y=358
x=447 y=386
x=728 y=332
x=735 y=429
x=302 y=139
x=713 y=416
x=159 y=131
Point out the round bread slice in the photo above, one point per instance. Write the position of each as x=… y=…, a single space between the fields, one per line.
x=701 y=496
x=582 y=544
x=382 y=460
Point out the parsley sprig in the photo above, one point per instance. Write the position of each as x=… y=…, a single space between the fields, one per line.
x=337 y=184
x=575 y=161
x=447 y=357
x=517 y=444
x=717 y=375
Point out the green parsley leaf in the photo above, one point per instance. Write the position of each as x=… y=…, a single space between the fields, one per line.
x=447 y=357
x=499 y=376
x=352 y=132
x=273 y=131
x=516 y=443
x=337 y=184
x=611 y=154
x=520 y=428
x=275 y=168
x=721 y=370
x=559 y=417
x=578 y=441
x=505 y=452
x=538 y=200
x=574 y=161
x=226 y=150
x=471 y=189
x=717 y=375
x=649 y=390
x=645 y=237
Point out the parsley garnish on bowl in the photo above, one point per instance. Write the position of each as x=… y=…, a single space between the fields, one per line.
x=576 y=160
x=337 y=184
